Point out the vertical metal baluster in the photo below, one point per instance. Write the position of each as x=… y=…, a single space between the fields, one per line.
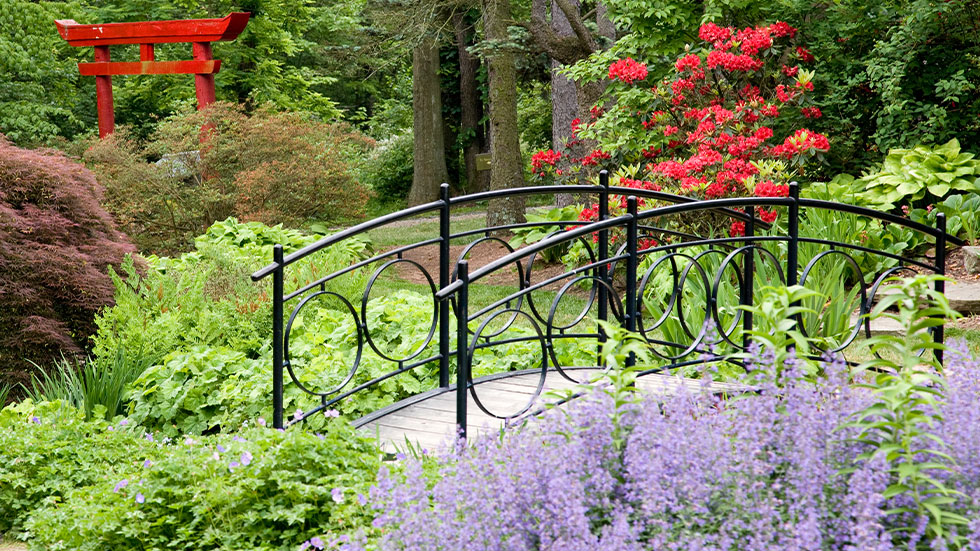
x=747 y=277
x=939 y=331
x=632 y=307
x=277 y=355
x=462 y=348
x=443 y=283
x=603 y=254
x=793 y=251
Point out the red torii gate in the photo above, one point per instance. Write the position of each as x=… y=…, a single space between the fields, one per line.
x=200 y=32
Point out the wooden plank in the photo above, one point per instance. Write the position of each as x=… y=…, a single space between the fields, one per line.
x=192 y=67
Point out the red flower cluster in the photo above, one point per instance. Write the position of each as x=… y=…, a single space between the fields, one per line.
x=804 y=54
x=541 y=158
x=592 y=159
x=733 y=62
x=811 y=112
x=801 y=143
x=627 y=70
x=769 y=189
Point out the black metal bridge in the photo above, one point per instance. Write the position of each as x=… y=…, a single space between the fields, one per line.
x=657 y=271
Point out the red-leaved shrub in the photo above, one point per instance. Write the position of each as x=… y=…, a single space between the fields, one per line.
x=56 y=243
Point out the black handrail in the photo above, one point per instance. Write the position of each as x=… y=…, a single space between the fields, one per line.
x=450 y=289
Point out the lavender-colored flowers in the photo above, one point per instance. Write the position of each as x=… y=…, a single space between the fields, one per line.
x=37 y=420
x=140 y=498
x=246 y=458
x=773 y=469
x=337 y=494
x=120 y=485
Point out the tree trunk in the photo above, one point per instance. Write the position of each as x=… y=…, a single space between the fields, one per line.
x=564 y=102
x=470 y=112
x=505 y=148
x=428 y=142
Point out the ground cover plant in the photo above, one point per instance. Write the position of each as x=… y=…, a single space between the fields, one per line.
x=807 y=461
x=67 y=483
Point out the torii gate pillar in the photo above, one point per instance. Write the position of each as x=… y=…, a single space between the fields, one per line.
x=200 y=32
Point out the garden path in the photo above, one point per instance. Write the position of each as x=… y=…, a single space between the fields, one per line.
x=431 y=423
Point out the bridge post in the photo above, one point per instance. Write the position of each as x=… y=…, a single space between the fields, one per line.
x=277 y=354
x=462 y=347
x=748 y=272
x=632 y=261
x=603 y=254
x=793 y=248
x=938 y=331
x=443 y=283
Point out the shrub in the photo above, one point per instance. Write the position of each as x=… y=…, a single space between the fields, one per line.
x=48 y=450
x=96 y=486
x=389 y=169
x=803 y=462
x=56 y=243
x=265 y=166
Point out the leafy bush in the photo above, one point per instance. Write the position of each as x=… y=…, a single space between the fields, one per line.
x=389 y=168
x=92 y=485
x=921 y=175
x=49 y=450
x=56 y=243
x=782 y=467
x=265 y=166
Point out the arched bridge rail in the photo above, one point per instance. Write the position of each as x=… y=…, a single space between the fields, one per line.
x=677 y=286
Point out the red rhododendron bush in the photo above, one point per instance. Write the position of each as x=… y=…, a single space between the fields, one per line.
x=729 y=120
x=56 y=243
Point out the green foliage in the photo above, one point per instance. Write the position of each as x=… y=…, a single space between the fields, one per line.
x=907 y=389
x=90 y=384
x=42 y=95
x=48 y=450
x=776 y=321
x=530 y=235
x=388 y=169
x=962 y=218
x=922 y=174
x=261 y=489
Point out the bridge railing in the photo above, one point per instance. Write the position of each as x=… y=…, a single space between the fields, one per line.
x=679 y=288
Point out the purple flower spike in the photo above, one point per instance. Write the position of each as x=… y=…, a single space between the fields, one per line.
x=148 y=436
x=331 y=413
x=147 y=464
x=233 y=465
x=239 y=439
x=139 y=498
x=337 y=495
x=362 y=499
x=123 y=422
x=221 y=449
x=316 y=542
x=304 y=546
x=109 y=428
x=260 y=421
x=37 y=420
x=298 y=414
x=246 y=458
x=120 y=485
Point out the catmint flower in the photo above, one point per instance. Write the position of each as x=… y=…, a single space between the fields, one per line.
x=120 y=485
x=304 y=546
x=331 y=413
x=215 y=456
x=260 y=421
x=400 y=456
x=110 y=428
x=316 y=542
x=221 y=449
x=337 y=495
x=189 y=441
x=246 y=458
x=148 y=436
x=361 y=499
x=37 y=421
x=233 y=465
x=239 y=439
x=139 y=498
x=298 y=414
x=147 y=464
x=123 y=422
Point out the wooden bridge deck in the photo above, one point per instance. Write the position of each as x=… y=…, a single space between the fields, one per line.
x=430 y=423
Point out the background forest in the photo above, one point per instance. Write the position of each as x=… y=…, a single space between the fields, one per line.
x=888 y=74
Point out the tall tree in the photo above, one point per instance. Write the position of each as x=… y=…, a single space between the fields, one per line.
x=471 y=106
x=505 y=149
x=428 y=139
